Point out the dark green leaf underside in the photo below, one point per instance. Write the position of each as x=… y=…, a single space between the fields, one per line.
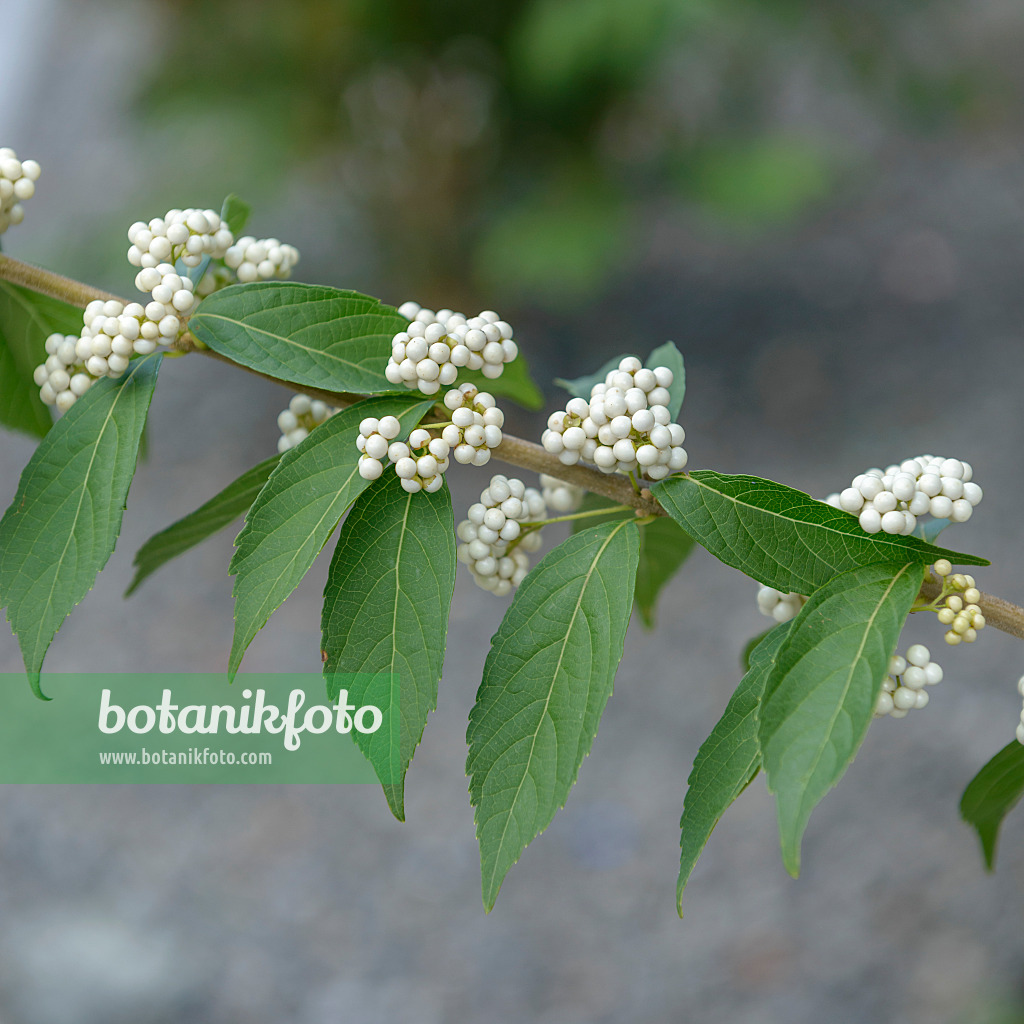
x=26 y=320
x=220 y=511
x=728 y=759
x=992 y=794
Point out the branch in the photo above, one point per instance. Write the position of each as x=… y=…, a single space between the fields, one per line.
x=513 y=450
x=998 y=612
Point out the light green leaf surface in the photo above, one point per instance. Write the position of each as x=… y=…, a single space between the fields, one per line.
x=386 y=607
x=66 y=515
x=297 y=510
x=992 y=794
x=26 y=320
x=668 y=355
x=727 y=761
x=820 y=694
x=546 y=681
x=220 y=511
x=302 y=333
x=779 y=536
x=580 y=387
x=234 y=212
x=664 y=355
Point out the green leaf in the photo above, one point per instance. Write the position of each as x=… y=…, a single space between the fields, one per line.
x=580 y=387
x=26 y=320
x=234 y=212
x=296 y=512
x=664 y=355
x=751 y=646
x=515 y=383
x=782 y=537
x=668 y=355
x=66 y=515
x=820 y=695
x=302 y=333
x=728 y=759
x=546 y=680
x=386 y=607
x=992 y=794
x=663 y=549
x=220 y=511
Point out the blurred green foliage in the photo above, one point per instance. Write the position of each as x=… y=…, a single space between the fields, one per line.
x=516 y=143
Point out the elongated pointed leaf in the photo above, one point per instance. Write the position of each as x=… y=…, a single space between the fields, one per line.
x=234 y=211
x=820 y=694
x=663 y=549
x=386 y=607
x=751 y=646
x=782 y=537
x=220 y=511
x=664 y=355
x=514 y=383
x=66 y=515
x=26 y=320
x=580 y=387
x=302 y=333
x=296 y=512
x=992 y=794
x=727 y=761
x=546 y=681
x=664 y=546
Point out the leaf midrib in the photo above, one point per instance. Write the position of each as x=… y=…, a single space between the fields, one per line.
x=547 y=699
x=82 y=492
x=325 y=353
x=893 y=544
x=840 y=704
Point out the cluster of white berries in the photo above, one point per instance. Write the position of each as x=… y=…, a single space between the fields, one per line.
x=260 y=259
x=419 y=463
x=1020 y=724
x=113 y=332
x=475 y=427
x=958 y=605
x=904 y=687
x=777 y=605
x=430 y=352
x=301 y=416
x=17 y=183
x=624 y=427
x=560 y=496
x=891 y=500
x=186 y=235
x=492 y=542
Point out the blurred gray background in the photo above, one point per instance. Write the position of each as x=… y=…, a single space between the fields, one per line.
x=821 y=203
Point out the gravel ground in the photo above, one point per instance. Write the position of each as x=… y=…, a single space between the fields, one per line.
x=893 y=331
